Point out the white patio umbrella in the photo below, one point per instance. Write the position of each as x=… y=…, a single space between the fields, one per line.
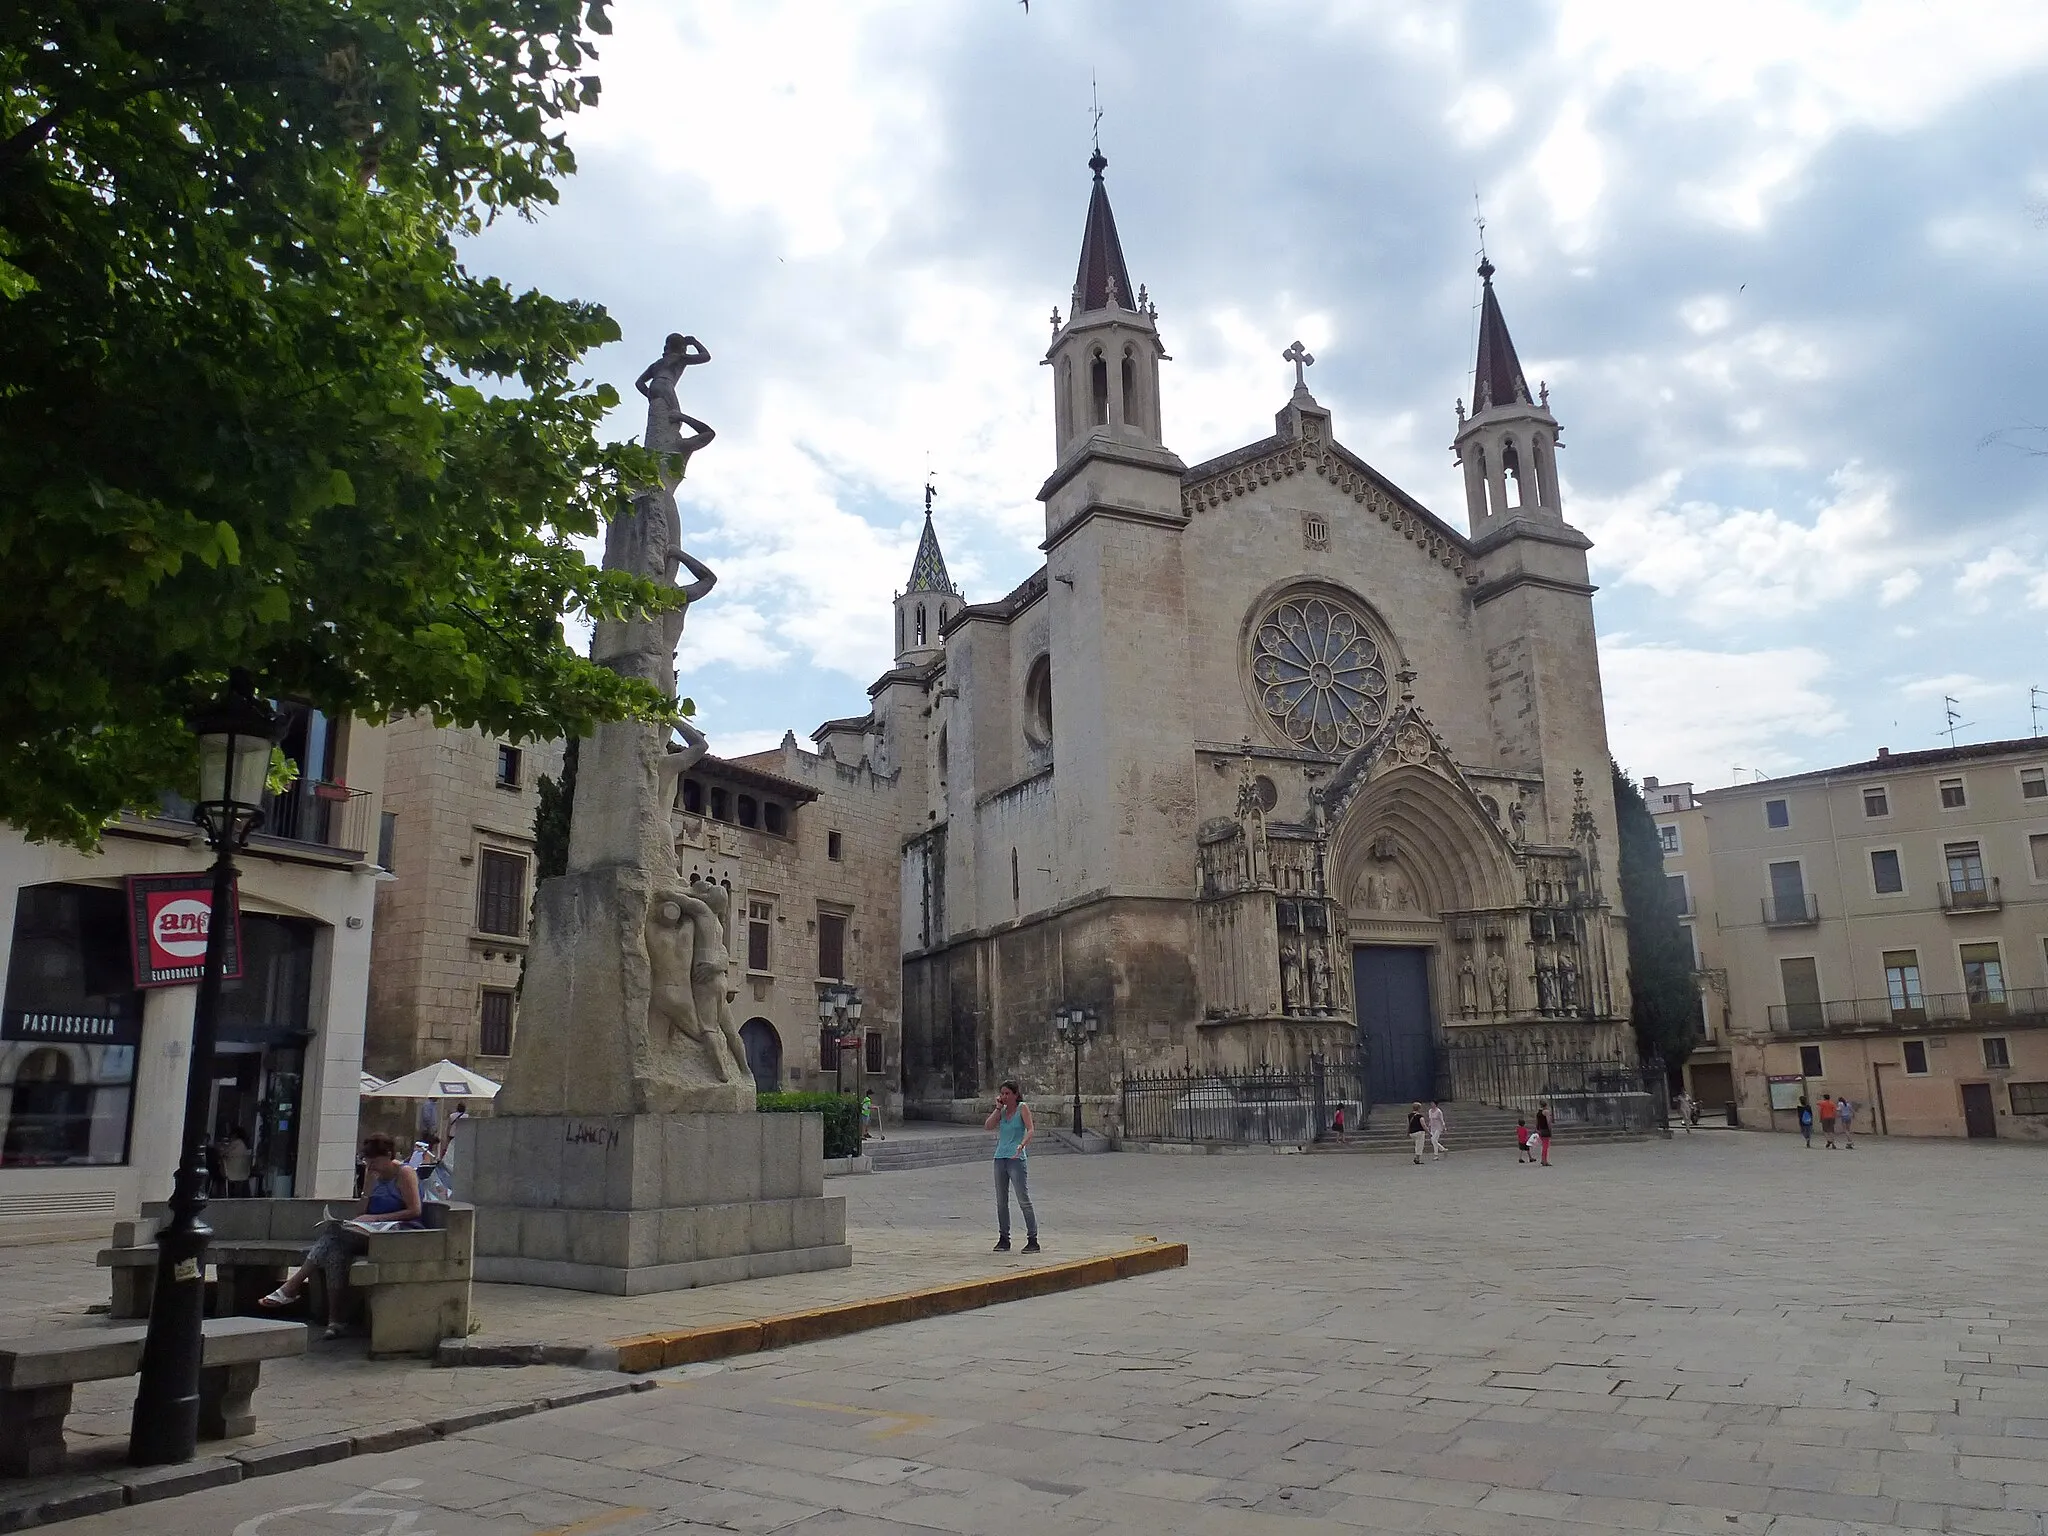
x=371 y=1084
x=443 y=1080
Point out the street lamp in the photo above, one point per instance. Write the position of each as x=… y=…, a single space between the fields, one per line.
x=236 y=734
x=838 y=1007
x=1076 y=1026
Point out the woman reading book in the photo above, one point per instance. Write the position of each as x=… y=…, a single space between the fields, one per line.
x=392 y=1204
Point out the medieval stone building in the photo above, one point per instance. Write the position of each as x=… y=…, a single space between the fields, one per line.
x=1266 y=752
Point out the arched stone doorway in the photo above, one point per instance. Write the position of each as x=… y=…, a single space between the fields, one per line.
x=764 y=1054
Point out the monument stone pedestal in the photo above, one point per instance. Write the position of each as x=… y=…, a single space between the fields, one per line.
x=628 y=1204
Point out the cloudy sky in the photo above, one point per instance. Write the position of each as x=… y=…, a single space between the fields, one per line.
x=1784 y=267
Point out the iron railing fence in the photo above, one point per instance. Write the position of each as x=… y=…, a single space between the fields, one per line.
x=2022 y=1006
x=1262 y=1106
x=1577 y=1083
x=1791 y=910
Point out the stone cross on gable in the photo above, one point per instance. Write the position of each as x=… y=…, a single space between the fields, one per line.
x=1300 y=357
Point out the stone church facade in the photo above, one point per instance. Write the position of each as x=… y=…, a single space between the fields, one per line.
x=1265 y=754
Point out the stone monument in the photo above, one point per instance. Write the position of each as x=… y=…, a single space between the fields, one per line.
x=624 y=1153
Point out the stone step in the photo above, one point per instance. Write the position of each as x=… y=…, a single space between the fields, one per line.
x=899 y=1153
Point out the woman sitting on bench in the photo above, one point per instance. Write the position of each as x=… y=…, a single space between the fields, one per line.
x=394 y=1195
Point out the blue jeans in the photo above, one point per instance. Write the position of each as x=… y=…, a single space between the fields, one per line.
x=1010 y=1174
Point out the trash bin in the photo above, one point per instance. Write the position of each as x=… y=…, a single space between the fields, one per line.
x=1733 y=1117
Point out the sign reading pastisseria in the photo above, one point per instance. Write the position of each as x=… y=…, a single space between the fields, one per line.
x=169 y=917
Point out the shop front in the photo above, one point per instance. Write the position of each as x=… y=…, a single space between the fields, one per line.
x=259 y=1062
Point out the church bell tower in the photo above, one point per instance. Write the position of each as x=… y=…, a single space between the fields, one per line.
x=1508 y=445
x=1123 y=733
x=924 y=606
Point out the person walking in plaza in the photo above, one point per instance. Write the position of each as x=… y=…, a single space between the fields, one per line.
x=1827 y=1118
x=1522 y=1135
x=1845 y=1120
x=1806 y=1121
x=870 y=1122
x=236 y=1163
x=1337 y=1128
x=1543 y=1131
x=1417 y=1133
x=1433 y=1122
x=1013 y=1126
x=1685 y=1112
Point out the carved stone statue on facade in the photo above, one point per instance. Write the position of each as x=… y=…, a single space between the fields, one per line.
x=1290 y=981
x=1518 y=822
x=1567 y=984
x=1546 y=988
x=1497 y=983
x=1468 y=987
x=1321 y=996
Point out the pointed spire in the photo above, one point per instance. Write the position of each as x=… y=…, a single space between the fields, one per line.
x=1102 y=280
x=928 y=570
x=1497 y=375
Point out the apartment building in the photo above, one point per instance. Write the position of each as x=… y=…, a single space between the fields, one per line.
x=94 y=1047
x=452 y=923
x=1883 y=927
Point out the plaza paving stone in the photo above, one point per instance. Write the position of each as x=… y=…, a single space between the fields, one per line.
x=1720 y=1333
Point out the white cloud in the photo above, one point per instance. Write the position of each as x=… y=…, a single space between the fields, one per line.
x=1896 y=589
x=1974 y=586
x=1736 y=565
x=1685 y=713
x=1961 y=686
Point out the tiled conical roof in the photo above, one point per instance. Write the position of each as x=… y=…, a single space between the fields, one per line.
x=928 y=570
x=1102 y=254
x=1497 y=375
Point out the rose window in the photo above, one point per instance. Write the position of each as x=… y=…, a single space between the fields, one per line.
x=1317 y=673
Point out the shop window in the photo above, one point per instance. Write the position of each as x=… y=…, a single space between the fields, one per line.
x=774 y=818
x=496 y=1034
x=1887 y=878
x=500 y=892
x=872 y=1062
x=832 y=946
x=1809 y=1061
x=1952 y=796
x=760 y=921
x=835 y=846
x=510 y=760
x=68 y=1029
x=1996 y=1055
x=1877 y=801
x=2029 y=1098
x=1777 y=813
x=1915 y=1053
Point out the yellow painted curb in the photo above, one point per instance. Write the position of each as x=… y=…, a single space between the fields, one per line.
x=687 y=1346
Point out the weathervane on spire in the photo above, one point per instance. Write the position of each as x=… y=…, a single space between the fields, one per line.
x=1095 y=114
x=930 y=490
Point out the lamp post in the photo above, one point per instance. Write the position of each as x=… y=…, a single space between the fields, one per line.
x=838 y=1007
x=1076 y=1026
x=236 y=734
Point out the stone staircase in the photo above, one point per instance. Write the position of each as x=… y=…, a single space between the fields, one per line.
x=1467 y=1128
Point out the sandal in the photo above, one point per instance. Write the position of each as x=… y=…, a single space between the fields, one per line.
x=278 y=1299
x=334 y=1331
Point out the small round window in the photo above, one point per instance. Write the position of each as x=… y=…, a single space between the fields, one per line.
x=1038 y=703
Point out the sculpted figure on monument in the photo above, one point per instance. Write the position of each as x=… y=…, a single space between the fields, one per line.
x=1290 y=981
x=1319 y=980
x=708 y=973
x=1567 y=984
x=1468 y=987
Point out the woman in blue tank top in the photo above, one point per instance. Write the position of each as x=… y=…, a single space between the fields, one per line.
x=394 y=1196
x=1013 y=1126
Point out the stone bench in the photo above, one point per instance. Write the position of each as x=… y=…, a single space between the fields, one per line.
x=414 y=1287
x=37 y=1375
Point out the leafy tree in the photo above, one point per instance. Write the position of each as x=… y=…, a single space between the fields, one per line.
x=255 y=411
x=1660 y=960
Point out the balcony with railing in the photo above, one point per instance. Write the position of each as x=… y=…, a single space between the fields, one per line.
x=1971 y=896
x=311 y=816
x=1931 y=1012
x=1796 y=910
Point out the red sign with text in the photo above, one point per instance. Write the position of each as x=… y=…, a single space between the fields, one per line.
x=169 y=917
